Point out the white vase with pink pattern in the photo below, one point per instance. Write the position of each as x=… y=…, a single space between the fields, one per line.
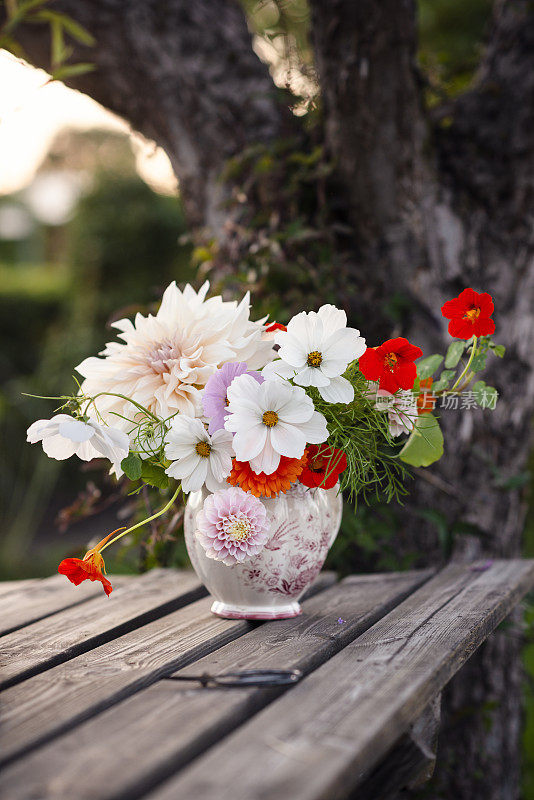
x=303 y=526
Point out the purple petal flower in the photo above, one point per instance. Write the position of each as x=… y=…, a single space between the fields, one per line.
x=232 y=526
x=214 y=400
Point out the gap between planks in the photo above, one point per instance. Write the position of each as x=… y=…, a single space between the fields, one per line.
x=170 y=723
x=56 y=639
x=64 y=695
x=321 y=739
x=32 y=600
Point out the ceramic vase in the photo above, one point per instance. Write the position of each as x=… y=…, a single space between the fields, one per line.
x=303 y=526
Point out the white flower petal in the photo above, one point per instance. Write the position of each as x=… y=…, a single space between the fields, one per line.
x=58 y=447
x=278 y=370
x=311 y=376
x=344 y=345
x=315 y=430
x=288 y=440
x=267 y=461
x=249 y=443
x=332 y=318
x=76 y=430
x=338 y=391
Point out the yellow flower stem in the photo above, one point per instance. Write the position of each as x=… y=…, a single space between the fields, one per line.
x=145 y=521
x=466 y=370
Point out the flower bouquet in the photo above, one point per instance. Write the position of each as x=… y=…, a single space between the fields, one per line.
x=264 y=427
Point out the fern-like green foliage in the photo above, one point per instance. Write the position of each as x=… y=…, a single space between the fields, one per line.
x=361 y=431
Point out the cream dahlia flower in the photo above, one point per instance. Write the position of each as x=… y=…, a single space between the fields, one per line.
x=164 y=361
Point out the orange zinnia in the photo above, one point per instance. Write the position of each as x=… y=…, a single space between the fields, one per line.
x=91 y=567
x=262 y=485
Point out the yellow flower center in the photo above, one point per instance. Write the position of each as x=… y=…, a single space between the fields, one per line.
x=472 y=314
x=239 y=530
x=203 y=449
x=390 y=360
x=270 y=418
x=315 y=358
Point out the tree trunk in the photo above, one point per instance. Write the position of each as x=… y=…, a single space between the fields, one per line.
x=458 y=211
x=434 y=205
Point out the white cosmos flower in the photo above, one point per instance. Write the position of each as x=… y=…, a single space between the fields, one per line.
x=270 y=420
x=164 y=361
x=197 y=457
x=316 y=350
x=63 y=436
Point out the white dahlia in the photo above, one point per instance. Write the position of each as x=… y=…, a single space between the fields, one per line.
x=164 y=361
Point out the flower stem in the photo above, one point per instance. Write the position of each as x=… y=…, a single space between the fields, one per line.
x=145 y=521
x=466 y=370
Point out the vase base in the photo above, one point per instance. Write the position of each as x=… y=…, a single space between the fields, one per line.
x=228 y=611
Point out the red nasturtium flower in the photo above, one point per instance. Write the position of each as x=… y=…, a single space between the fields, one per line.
x=469 y=314
x=392 y=364
x=91 y=567
x=426 y=401
x=275 y=326
x=324 y=466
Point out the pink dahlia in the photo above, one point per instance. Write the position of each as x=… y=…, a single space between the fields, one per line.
x=232 y=526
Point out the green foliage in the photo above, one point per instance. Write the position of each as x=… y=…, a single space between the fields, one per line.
x=62 y=28
x=450 y=44
x=424 y=445
x=426 y=367
x=362 y=432
x=132 y=466
x=454 y=353
x=154 y=475
x=486 y=396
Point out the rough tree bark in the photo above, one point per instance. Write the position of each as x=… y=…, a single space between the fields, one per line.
x=458 y=211
x=435 y=204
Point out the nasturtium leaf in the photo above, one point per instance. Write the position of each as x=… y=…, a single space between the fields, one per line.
x=427 y=366
x=443 y=380
x=425 y=443
x=132 y=466
x=498 y=349
x=454 y=354
x=479 y=362
x=154 y=476
x=486 y=396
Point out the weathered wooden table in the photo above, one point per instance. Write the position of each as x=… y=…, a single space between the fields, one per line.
x=91 y=706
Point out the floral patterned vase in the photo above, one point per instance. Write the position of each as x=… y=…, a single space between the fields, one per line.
x=303 y=526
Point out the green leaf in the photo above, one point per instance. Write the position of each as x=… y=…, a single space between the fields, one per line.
x=454 y=354
x=486 y=396
x=425 y=443
x=444 y=380
x=479 y=362
x=427 y=367
x=72 y=70
x=132 y=466
x=498 y=349
x=154 y=476
x=73 y=28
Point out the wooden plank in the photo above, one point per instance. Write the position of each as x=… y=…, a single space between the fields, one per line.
x=411 y=761
x=171 y=722
x=42 y=597
x=68 y=633
x=66 y=694
x=10 y=586
x=320 y=740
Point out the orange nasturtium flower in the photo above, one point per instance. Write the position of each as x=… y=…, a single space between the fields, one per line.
x=426 y=401
x=91 y=567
